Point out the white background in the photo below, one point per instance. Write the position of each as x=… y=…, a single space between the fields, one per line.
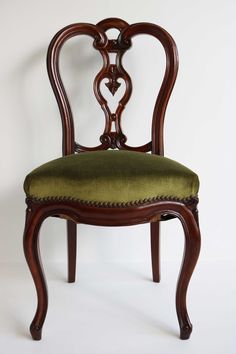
x=199 y=130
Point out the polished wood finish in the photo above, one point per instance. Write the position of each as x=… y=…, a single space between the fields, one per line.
x=32 y=255
x=110 y=214
x=191 y=253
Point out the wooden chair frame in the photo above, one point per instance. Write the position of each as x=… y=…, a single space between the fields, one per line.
x=112 y=214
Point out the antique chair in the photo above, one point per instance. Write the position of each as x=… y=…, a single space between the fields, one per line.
x=112 y=184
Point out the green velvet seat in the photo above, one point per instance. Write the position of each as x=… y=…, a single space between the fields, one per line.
x=112 y=176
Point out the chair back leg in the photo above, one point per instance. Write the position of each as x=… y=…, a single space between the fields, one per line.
x=71 y=249
x=155 y=250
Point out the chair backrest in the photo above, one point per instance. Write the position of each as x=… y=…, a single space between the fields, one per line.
x=113 y=139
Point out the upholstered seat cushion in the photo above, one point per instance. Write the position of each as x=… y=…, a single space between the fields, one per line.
x=112 y=176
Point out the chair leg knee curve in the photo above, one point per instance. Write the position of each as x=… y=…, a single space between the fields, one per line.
x=190 y=257
x=32 y=255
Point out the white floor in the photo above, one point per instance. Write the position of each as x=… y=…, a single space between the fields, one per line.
x=117 y=309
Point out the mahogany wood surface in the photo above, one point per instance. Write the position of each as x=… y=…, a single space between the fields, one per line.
x=110 y=215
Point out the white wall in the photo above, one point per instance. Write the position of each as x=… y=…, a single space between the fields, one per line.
x=199 y=130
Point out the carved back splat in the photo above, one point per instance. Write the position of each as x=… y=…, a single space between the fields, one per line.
x=112 y=72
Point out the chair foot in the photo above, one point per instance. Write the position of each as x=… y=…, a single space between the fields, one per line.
x=36 y=331
x=185 y=331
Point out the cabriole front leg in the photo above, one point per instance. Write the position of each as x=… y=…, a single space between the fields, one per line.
x=32 y=255
x=191 y=253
